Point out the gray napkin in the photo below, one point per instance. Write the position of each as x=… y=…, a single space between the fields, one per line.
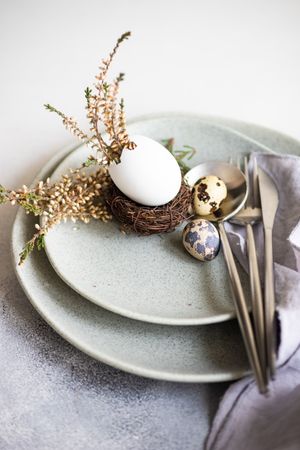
x=246 y=420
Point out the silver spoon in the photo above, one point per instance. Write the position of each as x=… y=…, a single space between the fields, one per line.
x=237 y=192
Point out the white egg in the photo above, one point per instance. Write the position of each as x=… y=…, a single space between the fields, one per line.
x=149 y=174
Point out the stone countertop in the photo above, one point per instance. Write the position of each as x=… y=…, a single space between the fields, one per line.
x=55 y=397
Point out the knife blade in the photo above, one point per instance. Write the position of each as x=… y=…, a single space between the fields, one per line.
x=269 y=204
x=268 y=197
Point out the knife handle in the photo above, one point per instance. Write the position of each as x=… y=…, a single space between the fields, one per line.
x=270 y=304
x=242 y=312
x=257 y=302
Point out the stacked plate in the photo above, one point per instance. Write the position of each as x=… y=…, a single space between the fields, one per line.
x=141 y=304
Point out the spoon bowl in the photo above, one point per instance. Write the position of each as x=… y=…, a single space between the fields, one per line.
x=235 y=180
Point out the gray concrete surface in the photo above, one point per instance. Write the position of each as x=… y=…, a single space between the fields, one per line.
x=52 y=396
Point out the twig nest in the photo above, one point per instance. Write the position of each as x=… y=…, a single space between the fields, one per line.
x=148 y=220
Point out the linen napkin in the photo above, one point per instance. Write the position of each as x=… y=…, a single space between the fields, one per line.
x=245 y=419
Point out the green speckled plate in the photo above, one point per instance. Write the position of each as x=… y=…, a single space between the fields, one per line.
x=188 y=354
x=152 y=279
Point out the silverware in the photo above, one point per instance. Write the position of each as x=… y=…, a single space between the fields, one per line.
x=237 y=188
x=249 y=216
x=269 y=204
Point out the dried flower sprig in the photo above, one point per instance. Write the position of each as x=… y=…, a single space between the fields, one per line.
x=79 y=196
x=101 y=107
x=76 y=196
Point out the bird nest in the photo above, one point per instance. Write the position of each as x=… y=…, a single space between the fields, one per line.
x=148 y=220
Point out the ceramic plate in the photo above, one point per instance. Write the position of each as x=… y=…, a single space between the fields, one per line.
x=151 y=278
x=191 y=354
x=188 y=354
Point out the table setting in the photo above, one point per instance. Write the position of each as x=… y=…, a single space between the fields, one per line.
x=167 y=248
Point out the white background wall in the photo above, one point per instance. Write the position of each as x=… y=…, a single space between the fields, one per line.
x=226 y=57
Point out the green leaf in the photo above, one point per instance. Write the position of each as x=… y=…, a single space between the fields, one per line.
x=106 y=87
x=89 y=162
x=192 y=151
x=52 y=109
x=124 y=36
x=87 y=93
x=120 y=77
x=180 y=155
x=3 y=197
x=40 y=242
x=30 y=207
x=28 y=248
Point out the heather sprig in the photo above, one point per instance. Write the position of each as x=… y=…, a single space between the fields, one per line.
x=76 y=196
x=101 y=108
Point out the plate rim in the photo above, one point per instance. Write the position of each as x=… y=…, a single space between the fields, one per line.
x=159 y=375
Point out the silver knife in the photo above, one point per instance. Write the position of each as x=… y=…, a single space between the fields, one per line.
x=269 y=204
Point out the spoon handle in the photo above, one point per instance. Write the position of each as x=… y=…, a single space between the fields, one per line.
x=242 y=312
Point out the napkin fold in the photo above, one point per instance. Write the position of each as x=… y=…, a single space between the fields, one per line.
x=245 y=419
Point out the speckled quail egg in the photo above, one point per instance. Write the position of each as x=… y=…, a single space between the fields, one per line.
x=201 y=239
x=209 y=192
